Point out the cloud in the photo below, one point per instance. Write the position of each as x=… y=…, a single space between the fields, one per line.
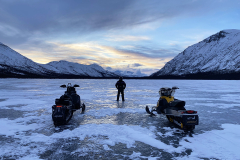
x=152 y=52
x=48 y=19
x=8 y=30
x=135 y=65
x=120 y=38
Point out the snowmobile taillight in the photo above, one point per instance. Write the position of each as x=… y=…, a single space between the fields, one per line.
x=190 y=111
x=58 y=106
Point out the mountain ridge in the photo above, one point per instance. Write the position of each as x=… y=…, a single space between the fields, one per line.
x=218 y=54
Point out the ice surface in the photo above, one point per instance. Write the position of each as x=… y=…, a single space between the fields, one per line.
x=118 y=130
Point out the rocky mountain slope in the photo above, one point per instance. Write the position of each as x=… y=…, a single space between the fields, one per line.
x=219 y=54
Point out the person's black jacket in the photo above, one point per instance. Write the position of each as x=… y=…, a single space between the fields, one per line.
x=120 y=85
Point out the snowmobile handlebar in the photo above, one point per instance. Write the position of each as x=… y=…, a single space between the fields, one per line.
x=69 y=85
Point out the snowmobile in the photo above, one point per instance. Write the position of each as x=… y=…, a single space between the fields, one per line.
x=68 y=103
x=174 y=109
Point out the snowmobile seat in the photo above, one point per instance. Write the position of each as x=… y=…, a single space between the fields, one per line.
x=177 y=105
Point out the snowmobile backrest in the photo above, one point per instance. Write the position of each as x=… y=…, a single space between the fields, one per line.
x=62 y=102
x=65 y=97
x=178 y=103
x=57 y=101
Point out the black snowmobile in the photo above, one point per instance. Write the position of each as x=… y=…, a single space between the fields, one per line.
x=64 y=107
x=174 y=109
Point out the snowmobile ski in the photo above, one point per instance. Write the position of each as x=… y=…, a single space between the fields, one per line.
x=149 y=112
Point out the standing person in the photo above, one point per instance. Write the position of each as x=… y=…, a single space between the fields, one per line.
x=120 y=85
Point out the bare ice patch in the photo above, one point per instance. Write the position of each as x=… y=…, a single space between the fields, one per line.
x=111 y=111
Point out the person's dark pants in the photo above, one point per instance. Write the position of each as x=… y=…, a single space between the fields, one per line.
x=122 y=92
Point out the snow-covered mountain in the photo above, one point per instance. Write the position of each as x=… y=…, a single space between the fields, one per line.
x=127 y=73
x=219 y=53
x=65 y=67
x=13 y=64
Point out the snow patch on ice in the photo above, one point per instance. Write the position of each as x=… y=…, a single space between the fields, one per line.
x=220 y=144
x=116 y=134
x=137 y=156
x=106 y=147
x=11 y=127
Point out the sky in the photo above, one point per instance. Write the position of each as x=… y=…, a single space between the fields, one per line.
x=134 y=35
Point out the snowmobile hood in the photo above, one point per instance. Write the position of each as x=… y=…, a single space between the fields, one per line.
x=168 y=98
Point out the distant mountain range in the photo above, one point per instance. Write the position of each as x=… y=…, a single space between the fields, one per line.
x=127 y=73
x=216 y=57
x=76 y=69
x=13 y=64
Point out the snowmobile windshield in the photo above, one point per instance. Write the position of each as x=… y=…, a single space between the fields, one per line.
x=173 y=92
x=165 y=91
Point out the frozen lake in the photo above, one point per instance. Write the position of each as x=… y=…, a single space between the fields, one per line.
x=118 y=130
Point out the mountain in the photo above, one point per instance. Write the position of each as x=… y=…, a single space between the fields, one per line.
x=70 y=68
x=127 y=73
x=218 y=54
x=13 y=64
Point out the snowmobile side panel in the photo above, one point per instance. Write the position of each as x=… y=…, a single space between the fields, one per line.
x=169 y=111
